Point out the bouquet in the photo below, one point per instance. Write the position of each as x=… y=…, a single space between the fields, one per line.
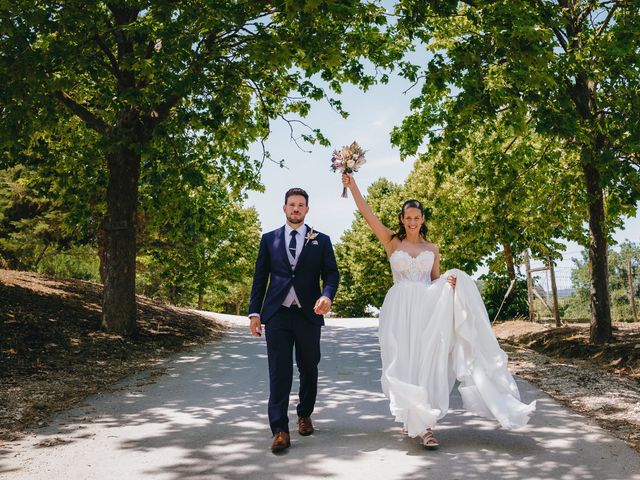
x=347 y=160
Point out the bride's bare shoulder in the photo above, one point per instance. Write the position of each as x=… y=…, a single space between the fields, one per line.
x=433 y=247
x=392 y=245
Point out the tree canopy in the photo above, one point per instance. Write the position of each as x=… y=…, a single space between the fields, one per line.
x=136 y=82
x=568 y=70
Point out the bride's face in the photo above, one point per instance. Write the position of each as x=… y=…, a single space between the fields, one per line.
x=412 y=219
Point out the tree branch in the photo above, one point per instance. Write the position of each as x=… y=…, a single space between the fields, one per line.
x=204 y=47
x=292 y=131
x=91 y=120
x=506 y=150
x=418 y=78
x=607 y=20
x=161 y=112
x=584 y=14
x=113 y=62
x=557 y=32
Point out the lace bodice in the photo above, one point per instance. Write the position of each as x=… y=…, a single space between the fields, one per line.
x=406 y=268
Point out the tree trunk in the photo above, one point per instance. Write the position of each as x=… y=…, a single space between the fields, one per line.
x=632 y=297
x=600 y=331
x=527 y=264
x=554 y=291
x=101 y=238
x=508 y=258
x=173 y=294
x=40 y=257
x=119 y=303
x=200 y=298
x=583 y=94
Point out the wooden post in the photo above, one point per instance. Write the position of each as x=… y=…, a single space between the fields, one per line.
x=632 y=298
x=529 y=285
x=554 y=289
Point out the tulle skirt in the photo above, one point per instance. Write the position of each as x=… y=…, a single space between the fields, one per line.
x=431 y=335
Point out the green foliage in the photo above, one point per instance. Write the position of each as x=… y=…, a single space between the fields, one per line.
x=365 y=275
x=570 y=73
x=221 y=70
x=508 y=64
x=232 y=298
x=176 y=91
x=494 y=288
x=34 y=224
x=78 y=261
x=505 y=189
x=577 y=306
x=202 y=246
x=38 y=230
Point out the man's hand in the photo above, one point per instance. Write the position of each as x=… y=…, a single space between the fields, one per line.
x=322 y=306
x=255 y=327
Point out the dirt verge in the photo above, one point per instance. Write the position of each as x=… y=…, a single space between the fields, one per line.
x=53 y=353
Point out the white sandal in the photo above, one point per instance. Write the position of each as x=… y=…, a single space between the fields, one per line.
x=428 y=440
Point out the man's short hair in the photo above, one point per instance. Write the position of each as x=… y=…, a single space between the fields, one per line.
x=296 y=191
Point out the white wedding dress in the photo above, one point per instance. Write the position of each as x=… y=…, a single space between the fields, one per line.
x=432 y=334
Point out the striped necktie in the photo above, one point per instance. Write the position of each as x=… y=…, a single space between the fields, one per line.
x=292 y=243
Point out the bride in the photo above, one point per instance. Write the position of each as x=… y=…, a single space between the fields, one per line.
x=433 y=331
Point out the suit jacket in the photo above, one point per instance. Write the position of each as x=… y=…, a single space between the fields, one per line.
x=274 y=277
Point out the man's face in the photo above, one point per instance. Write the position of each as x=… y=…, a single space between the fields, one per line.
x=295 y=209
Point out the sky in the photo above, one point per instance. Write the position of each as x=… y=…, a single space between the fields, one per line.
x=373 y=114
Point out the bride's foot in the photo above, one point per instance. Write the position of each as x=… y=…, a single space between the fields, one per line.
x=428 y=440
x=404 y=431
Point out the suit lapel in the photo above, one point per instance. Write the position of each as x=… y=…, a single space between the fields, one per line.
x=283 y=250
x=304 y=248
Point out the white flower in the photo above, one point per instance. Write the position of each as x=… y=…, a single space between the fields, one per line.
x=158 y=45
x=350 y=163
x=311 y=235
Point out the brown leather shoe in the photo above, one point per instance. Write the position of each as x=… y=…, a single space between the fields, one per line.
x=305 y=427
x=281 y=441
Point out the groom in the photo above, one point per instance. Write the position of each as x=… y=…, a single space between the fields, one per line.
x=286 y=298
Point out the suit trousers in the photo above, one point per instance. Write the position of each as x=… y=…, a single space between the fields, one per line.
x=286 y=330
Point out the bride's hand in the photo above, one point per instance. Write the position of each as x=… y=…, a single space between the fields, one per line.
x=347 y=180
x=451 y=280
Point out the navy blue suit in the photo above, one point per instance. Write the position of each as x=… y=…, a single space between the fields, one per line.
x=289 y=327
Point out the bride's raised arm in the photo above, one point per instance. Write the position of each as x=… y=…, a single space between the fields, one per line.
x=384 y=234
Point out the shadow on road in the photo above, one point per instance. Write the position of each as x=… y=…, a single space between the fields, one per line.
x=206 y=419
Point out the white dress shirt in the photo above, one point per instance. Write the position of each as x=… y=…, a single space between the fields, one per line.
x=292 y=298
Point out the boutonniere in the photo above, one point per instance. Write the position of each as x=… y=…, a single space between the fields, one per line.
x=311 y=235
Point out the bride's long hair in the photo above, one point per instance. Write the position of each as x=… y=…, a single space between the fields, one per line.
x=402 y=232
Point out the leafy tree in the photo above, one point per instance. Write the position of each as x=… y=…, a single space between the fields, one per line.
x=190 y=255
x=234 y=298
x=133 y=76
x=494 y=287
x=568 y=69
x=499 y=195
x=77 y=261
x=35 y=226
x=618 y=279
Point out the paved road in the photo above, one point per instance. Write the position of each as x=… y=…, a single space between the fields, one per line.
x=205 y=419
